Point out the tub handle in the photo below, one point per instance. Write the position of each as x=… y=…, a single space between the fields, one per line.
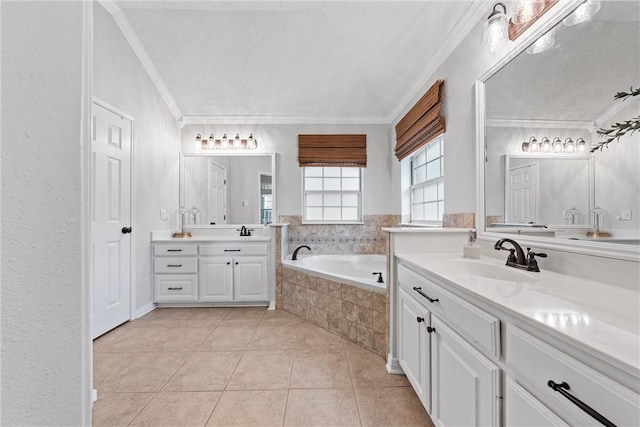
x=380 y=280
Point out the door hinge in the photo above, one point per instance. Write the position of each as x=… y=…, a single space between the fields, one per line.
x=225 y=217
x=225 y=182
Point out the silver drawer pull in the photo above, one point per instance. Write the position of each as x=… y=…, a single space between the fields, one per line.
x=174 y=265
x=175 y=289
x=174 y=250
x=232 y=250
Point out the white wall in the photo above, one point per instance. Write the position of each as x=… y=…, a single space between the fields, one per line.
x=381 y=177
x=120 y=80
x=42 y=286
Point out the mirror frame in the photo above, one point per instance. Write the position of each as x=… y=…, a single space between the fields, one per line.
x=274 y=175
x=586 y=247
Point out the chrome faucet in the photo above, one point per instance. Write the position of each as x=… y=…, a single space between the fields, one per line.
x=294 y=257
x=516 y=256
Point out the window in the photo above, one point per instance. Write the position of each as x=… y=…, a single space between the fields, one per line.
x=332 y=194
x=427 y=183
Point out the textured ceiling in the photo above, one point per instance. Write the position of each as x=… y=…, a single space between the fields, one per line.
x=576 y=79
x=298 y=59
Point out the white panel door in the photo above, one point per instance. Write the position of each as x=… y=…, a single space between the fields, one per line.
x=465 y=384
x=215 y=280
x=523 y=194
x=414 y=346
x=217 y=194
x=110 y=220
x=250 y=279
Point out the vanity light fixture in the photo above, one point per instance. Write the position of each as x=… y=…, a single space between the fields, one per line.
x=237 y=143
x=569 y=146
x=557 y=145
x=531 y=145
x=545 y=145
x=496 y=33
x=526 y=10
x=544 y=43
x=582 y=145
x=583 y=13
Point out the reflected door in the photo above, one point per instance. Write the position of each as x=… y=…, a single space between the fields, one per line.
x=110 y=220
x=523 y=194
x=217 y=194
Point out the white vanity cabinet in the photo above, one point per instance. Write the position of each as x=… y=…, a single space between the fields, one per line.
x=219 y=272
x=414 y=352
x=522 y=409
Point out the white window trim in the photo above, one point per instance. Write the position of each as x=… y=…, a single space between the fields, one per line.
x=360 y=221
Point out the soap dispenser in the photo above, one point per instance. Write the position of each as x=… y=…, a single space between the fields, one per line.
x=471 y=248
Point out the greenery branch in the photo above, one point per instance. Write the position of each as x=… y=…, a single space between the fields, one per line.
x=618 y=130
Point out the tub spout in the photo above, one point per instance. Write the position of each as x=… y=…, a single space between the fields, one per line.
x=294 y=257
x=379 y=277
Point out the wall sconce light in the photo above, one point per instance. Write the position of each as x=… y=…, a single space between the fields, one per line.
x=496 y=33
x=584 y=12
x=526 y=10
x=557 y=146
x=251 y=143
x=544 y=43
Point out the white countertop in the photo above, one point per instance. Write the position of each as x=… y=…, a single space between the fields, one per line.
x=166 y=236
x=596 y=317
x=425 y=230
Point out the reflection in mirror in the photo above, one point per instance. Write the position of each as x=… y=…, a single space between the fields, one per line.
x=567 y=91
x=227 y=189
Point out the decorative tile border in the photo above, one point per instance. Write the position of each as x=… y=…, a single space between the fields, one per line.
x=459 y=220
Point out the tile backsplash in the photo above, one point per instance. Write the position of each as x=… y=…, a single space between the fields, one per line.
x=366 y=238
x=459 y=220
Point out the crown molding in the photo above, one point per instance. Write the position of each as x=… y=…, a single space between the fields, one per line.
x=478 y=10
x=282 y=120
x=135 y=43
x=541 y=124
x=614 y=109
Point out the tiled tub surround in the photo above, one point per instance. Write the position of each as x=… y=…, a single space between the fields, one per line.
x=366 y=238
x=358 y=315
x=459 y=220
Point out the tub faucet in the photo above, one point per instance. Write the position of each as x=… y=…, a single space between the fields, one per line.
x=294 y=257
x=379 y=277
x=518 y=260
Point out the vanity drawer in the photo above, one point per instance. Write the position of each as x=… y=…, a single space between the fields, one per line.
x=540 y=363
x=476 y=325
x=175 y=250
x=234 y=249
x=175 y=288
x=175 y=265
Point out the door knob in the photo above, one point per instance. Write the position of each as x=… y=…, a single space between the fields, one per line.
x=126 y=230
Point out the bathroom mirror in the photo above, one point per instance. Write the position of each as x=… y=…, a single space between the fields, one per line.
x=562 y=87
x=223 y=189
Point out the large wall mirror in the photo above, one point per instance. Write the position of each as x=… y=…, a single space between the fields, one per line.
x=228 y=188
x=561 y=89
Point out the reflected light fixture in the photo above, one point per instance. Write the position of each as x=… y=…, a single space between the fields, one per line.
x=582 y=145
x=544 y=43
x=583 y=13
x=557 y=145
x=496 y=33
x=526 y=10
x=237 y=143
x=569 y=145
x=545 y=145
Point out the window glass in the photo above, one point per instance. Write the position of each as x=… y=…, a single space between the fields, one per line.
x=427 y=183
x=332 y=194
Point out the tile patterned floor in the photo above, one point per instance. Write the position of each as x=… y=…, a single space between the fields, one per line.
x=243 y=367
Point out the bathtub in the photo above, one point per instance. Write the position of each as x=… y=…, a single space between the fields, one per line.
x=354 y=270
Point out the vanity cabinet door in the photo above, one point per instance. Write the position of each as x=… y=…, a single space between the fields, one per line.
x=465 y=385
x=522 y=409
x=216 y=279
x=250 y=278
x=414 y=345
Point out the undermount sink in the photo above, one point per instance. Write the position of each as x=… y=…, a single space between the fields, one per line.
x=490 y=271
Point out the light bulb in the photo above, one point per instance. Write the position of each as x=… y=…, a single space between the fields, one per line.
x=236 y=142
x=569 y=146
x=225 y=142
x=545 y=145
x=557 y=145
x=252 y=143
x=534 y=146
x=582 y=145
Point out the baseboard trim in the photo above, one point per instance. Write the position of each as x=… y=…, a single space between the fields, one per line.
x=145 y=309
x=393 y=366
x=272 y=305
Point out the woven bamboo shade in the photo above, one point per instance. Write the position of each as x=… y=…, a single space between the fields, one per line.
x=422 y=123
x=332 y=150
